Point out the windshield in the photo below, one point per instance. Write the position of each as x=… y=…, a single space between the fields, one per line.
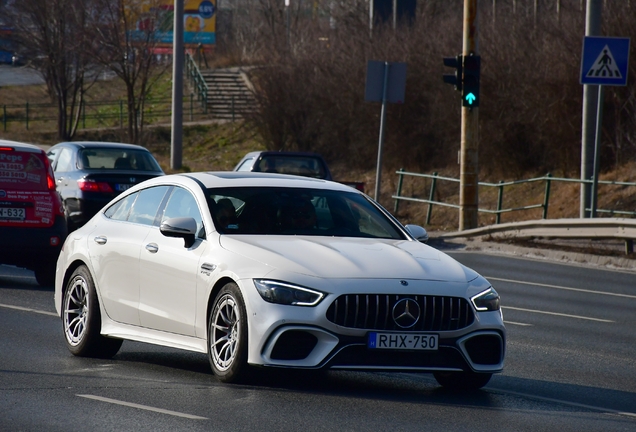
x=296 y=211
x=307 y=166
x=119 y=159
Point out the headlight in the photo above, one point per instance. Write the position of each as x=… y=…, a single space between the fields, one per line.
x=287 y=294
x=486 y=300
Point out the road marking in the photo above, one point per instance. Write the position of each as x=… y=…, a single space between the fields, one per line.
x=517 y=323
x=563 y=402
x=143 y=407
x=28 y=309
x=563 y=288
x=557 y=314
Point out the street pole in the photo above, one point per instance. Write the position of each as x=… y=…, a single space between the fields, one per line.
x=287 y=24
x=469 y=162
x=591 y=102
x=378 y=171
x=176 y=149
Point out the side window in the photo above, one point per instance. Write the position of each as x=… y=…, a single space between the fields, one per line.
x=52 y=154
x=246 y=165
x=182 y=204
x=144 y=210
x=121 y=209
x=64 y=161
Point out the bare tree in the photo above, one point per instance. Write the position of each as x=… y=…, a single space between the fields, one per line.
x=125 y=42
x=52 y=34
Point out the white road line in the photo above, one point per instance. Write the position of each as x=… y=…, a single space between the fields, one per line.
x=563 y=288
x=28 y=309
x=143 y=407
x=557 y=314
x=517 y=323
x=563 y=402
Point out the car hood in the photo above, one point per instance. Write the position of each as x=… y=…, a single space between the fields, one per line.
x=335 y=257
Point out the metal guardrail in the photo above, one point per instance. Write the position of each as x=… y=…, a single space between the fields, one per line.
x=594 y=228
x=197 y=81
x=548 y=179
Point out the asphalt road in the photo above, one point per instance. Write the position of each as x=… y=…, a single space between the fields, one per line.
x=570 y=367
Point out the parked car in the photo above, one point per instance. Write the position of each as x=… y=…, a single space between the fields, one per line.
x=259 y=269
x=286 y=162
x=90 y=174
x=32 y=224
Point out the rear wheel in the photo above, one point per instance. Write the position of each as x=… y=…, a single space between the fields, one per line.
x=82 y=318
x=462 y=380
x=227 y=335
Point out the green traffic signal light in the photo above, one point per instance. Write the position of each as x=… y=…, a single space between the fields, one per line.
x=470 y=82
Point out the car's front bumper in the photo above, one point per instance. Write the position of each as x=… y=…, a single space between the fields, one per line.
x=307 y=337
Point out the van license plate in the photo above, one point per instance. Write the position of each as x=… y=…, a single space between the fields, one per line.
x=403 y=341
x=8 y=213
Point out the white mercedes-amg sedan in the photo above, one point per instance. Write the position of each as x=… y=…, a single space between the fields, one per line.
x=272 y=271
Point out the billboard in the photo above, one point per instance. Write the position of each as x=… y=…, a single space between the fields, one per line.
x=157 y=19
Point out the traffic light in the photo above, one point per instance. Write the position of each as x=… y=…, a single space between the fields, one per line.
x=456 y=78
x=470 y=84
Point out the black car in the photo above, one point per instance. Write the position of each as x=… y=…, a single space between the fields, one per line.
x=304 y=164
x=296 y=163
x=90 y=174
x=32 y=224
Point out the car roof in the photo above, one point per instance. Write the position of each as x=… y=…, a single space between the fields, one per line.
x=101 y=144
x=220 y=179
x=21 y=146
x=282 y=153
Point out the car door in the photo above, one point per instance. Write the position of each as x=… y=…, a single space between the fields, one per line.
x=115 y=247
x=169 y=271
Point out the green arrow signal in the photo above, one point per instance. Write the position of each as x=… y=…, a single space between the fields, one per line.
x=470 y=98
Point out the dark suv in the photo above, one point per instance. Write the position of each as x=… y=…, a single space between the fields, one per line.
x=32 y=223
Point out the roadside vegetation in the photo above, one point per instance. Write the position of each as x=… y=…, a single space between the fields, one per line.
x=310 y=89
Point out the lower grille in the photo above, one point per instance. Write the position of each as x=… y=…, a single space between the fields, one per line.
x=375 y=312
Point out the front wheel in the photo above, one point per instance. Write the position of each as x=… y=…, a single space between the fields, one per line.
x=462 y=380
x=82 y=319
x=227 y=335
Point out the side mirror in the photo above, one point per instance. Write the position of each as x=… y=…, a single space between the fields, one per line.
x=418 y=232
x=183 y=227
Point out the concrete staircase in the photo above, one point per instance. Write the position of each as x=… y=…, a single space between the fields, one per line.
x=230 y=93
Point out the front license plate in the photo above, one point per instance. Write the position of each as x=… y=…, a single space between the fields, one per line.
x=123 y=187
x=12 y=213
x=403 y=341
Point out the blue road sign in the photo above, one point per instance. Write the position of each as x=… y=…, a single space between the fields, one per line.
x=604 y=61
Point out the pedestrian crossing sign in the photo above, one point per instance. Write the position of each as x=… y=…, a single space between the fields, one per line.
x=604 y=61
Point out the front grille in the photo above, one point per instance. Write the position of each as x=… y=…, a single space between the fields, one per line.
x=375 y=312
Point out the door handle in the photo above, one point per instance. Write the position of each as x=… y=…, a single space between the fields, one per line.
x=152 y=247
x=100 y=240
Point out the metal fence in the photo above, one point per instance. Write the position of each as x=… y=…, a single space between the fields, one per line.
x=499 y=210
x=95 y=114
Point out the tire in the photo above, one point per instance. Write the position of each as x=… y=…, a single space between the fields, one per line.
x=45 y=275
x=82 y=319
x=462 y=380
x=227 y=335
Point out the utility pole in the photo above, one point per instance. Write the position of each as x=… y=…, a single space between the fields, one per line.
x=469 y=162
x=176 y=148
x=590 y=108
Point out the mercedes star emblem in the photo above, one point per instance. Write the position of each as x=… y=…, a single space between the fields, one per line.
x=406 y=313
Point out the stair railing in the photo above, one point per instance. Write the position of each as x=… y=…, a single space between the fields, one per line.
x=197 y=81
